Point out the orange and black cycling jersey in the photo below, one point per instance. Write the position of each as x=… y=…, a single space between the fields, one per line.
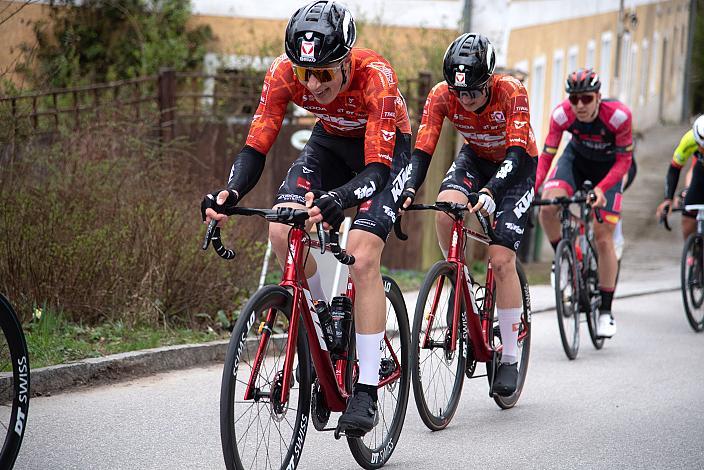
x=371 y=107
x=504 y=122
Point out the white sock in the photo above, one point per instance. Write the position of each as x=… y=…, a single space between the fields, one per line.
x=369 y=355
x=509 y=324
x=316 y=288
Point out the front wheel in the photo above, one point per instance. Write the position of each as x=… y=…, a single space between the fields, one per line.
x=438 y=368
x=263 y=431
x=524 y=333
x=14 y=383
x=567 y=297
x=375 y=448
x=692 y=278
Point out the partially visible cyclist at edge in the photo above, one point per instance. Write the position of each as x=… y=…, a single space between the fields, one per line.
x=356 y=156
x=497 y=161
x=691 y=144
x=601 y=150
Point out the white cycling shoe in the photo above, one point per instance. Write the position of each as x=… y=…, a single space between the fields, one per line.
x=607 y=325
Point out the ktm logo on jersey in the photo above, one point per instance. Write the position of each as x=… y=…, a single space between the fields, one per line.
x=519 y=124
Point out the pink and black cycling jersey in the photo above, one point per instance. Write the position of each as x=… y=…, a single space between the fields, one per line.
x=607 y=139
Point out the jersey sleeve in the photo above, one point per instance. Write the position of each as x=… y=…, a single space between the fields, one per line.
x=559 y=122
x=277 y=91
x=434 y=112
x=381 y=96
x=684 y=150
x=621 y=123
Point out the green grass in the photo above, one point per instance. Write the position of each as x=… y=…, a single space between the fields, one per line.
x=53 y=340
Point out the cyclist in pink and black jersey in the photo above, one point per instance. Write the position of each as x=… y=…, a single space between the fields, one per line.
x=601 y=150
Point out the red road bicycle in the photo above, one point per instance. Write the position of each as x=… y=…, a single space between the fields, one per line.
x=455 y=327
x=270 y=388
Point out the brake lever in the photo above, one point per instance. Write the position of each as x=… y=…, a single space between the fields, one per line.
x=321 y=237
x=209 y=233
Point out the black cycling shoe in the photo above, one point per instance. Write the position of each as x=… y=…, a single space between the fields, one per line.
x=506 y=379
x=361 y=415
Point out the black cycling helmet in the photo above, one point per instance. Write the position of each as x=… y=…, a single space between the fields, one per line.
x=469 y=62
x=319 y=34
x=582 y=81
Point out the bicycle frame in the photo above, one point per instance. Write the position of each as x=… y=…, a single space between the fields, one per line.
x=478 y=325
x=332 y=377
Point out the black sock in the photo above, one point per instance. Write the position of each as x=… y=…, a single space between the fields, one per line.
x=606 y=297
x=370 y=389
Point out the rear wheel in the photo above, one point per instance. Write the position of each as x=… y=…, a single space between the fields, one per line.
x=523 y=343
x=438 y=371
x=14 y=383
x=263 y=432
x=567 y=297
x=692 y=274
x=374 y=449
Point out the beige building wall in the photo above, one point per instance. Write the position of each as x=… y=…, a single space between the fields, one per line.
x=656 y=45
x=16 y=28
x=410 y=50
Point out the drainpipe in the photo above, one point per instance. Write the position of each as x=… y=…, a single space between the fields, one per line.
x=617 y=59
x=467 y=16
x=687 y=104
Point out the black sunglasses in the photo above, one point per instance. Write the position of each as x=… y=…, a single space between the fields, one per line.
x=585 y=99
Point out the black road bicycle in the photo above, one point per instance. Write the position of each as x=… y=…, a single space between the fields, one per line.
x=14 y=383
x=576 y=269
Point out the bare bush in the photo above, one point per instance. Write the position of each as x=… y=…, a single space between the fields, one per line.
x=104 y=223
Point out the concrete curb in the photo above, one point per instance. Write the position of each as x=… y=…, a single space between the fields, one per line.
x=623 y=296
x=46 y=381
x=53 y=379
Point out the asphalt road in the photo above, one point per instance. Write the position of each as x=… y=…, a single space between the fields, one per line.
x=635 y=404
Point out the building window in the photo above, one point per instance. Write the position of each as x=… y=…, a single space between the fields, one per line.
x=591 y=52
x=572 y=55
x=624 y=70
x=655 y=67
x=605 y=63
x=558 y=78
x=537 y=98
x=644 y=73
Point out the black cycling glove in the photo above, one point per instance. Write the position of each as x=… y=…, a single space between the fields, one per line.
x=210 y=201
x=407 y=193
x=330 y=207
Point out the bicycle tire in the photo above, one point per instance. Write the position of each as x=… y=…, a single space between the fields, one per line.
x=692 y=281
x=524 y=346
x=567 y=297
x=14 y=386
x=241 y=352
x=375 y=448
x=592 y=291
x=437 y=413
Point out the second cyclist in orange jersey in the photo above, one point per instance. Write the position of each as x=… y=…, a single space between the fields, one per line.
x=371 y=107
x=497 y=161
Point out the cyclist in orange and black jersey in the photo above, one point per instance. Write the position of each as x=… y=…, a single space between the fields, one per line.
x=356 y=156
x=497 y=161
